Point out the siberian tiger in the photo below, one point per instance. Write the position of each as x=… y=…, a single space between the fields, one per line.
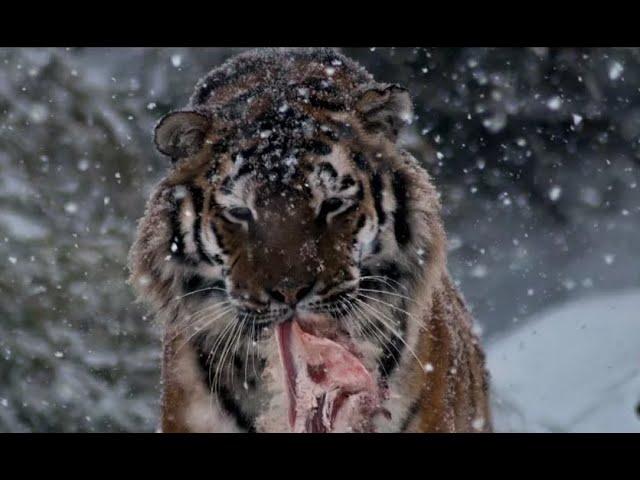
x=296 y=258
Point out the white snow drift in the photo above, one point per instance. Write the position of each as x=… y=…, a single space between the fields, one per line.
x=575 y=368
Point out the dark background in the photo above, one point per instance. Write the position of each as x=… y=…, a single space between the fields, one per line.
x=535 y=152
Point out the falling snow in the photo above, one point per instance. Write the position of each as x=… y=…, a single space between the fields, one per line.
x=554 y=103
x=534 y=153
x=176 y=60
x=71 y=207
x=615 y=70
x=555 y=192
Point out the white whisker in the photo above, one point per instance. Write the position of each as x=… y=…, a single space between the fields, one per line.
x=198 y=316
x=365 y=323
x=207 y=324
x=223 y=356
x=385 y=292
x=198 y=291
x=384 y=280
x=220 y=340
x=390 y=305
x=237 y=342
x=384 y=320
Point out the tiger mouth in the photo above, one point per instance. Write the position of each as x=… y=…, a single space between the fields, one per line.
x=328 y=387
x=265 y=318
x=333 y=306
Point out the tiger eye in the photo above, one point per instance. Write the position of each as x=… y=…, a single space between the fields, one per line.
x=328 y=206
x=331 y=205
x=242 y=214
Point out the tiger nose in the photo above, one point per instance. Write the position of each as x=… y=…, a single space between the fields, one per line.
x=290 y=294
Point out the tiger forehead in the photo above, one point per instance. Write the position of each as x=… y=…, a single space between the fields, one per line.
x=275 y=129
x=331 y=168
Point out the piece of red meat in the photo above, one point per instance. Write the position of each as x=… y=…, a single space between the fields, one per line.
x=329 y=389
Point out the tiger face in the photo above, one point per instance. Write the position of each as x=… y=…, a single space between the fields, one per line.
x=287 y=197
x=282 y=216
x=291 y=236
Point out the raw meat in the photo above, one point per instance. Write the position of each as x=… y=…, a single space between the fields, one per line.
x=329 y=389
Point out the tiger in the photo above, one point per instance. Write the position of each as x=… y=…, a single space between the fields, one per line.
x=295 y=256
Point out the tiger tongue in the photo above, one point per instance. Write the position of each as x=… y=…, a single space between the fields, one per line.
x=328 y=387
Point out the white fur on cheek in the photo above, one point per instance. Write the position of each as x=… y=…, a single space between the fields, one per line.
x=275 y=417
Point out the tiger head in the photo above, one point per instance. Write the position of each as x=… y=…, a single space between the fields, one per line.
x=287 y=194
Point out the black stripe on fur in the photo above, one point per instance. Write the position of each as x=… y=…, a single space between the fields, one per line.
x=194 y=283
x=393 y=348
x=197 y=197
x=225 y=397
x=413 y=411
x=401 y=228
x=376 y=191
x=177 y=237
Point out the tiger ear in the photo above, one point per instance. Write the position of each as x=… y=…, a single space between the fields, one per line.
x=181 y=134
x=386 y=108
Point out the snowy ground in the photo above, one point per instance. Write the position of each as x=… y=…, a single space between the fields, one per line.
x=573 y=368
